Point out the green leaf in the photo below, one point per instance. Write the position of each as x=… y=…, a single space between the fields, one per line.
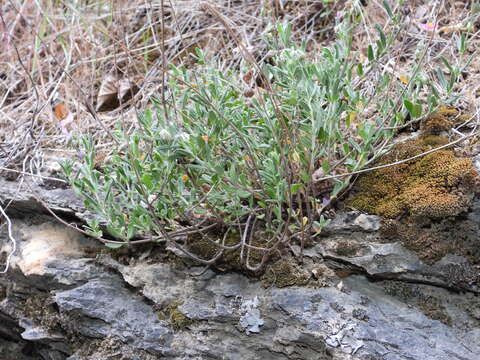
x=147 y=180
x=324 y=222
x=447 y=64
x=370 y=55
x=244 y=194
x=359 y=69
x=278 y=211
x=388 y=9
x=383 y=39
x=325 y=166
x=130 y=231
x=434 y=92
x=453 y=80
x=462 y=43
x=295 y=187
x=432 y=102
x=212 y=117
x=114 y=245
x=199 y=56
x=442 y=79
x=337 y=188
x=262 y=204
x=327 y=53
x=415 y=110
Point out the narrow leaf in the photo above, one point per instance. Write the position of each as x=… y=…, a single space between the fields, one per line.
x=295 y=187
x=371 y=57
x=388 y=9
x=114 y=245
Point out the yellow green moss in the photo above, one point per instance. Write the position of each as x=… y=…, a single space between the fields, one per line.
x=40 y=308
x=430 y=186
x=436 y=124
x=176 y=318
x=202 y=247
x=453 y=115
x=421 y=197
x=230 y=260
x=428 y=305
x=283 y=274
x=447 y=111
x=347 y=249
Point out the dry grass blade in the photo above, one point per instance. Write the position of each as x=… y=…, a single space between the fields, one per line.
x=69 y=49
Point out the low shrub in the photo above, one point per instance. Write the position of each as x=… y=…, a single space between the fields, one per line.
x=250 y=153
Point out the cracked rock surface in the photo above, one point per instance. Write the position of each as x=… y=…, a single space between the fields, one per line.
x=65 y=297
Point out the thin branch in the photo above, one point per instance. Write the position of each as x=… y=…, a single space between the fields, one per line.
x=400 y=161
x=12 y=239
x=33 y=175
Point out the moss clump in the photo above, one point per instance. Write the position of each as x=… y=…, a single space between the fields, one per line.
x=436 y=185
x=429 y=241
x=432 y=309
x=429 y=305
x=432 y=239
x=202 y=247
x=40 y=308
x=347 y=249
x=400 y=290
x=421 y=198
x=111 y=348
x=436 y=124
x=447 y=111
x=230 y=260
x=283 y=274
x=176 y=318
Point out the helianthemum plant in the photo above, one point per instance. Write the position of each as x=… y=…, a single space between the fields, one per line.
x=248 y=153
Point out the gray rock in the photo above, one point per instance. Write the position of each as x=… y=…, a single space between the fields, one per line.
x=106 y=308
x=362 y=251
x=33 y=332
x=346 y=222
x=23 y=201
x=392 y=327
x=367 y=222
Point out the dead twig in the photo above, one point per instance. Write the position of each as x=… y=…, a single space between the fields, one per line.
x=400 y=161
x=12 y=239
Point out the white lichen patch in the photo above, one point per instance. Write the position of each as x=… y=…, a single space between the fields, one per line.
x=251 y=319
